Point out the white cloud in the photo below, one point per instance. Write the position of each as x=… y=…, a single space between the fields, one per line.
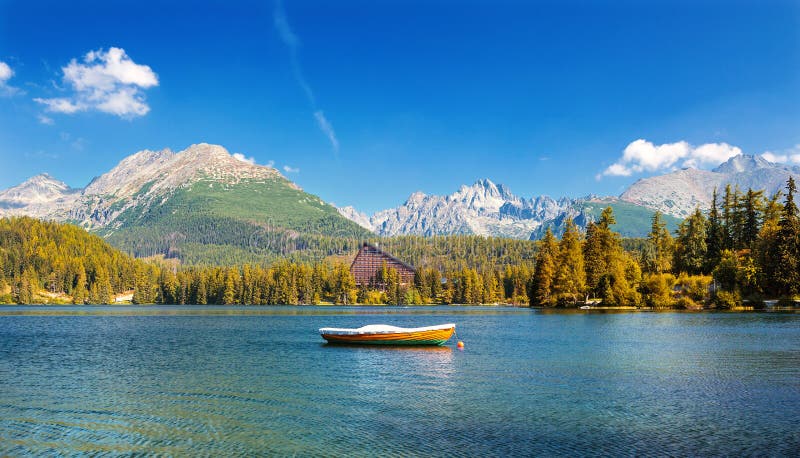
x=241 y=157
x=61 y=105
x=643 y=156
x=772 y=157
x=789 y=156
x=271 y=163
x=292 y=42
x=618 y=170
x=108 y=81
x=326 y=127
x=290 y=169
x=282 y=26
x=45 y=120
x=5 y=74
x=711 y=154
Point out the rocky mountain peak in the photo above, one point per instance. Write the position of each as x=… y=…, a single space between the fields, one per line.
x=143 y=180
x=207 y=152
x=743 y=163
x=45 y=180
x=37 y=189
x=483 y=196
x=167 y=171
x=678 y=193
x=416 y=199
x=483 y=208
x=356 y=216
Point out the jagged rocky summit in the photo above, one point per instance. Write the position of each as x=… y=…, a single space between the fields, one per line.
x=201 y=205
x=488 y=209
x=679 y=193
x=143 y=179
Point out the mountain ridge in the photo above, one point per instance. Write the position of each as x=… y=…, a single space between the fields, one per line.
x=488 y=209
x=678 y=193
x=201 y=203
x=203 y=199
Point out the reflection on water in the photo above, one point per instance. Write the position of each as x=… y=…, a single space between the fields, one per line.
x=202 y=310
x=254 y=381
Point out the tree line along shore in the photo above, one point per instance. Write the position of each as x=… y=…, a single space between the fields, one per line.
x=746 y=249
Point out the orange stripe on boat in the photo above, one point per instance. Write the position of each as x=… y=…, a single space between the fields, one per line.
x=434 y=335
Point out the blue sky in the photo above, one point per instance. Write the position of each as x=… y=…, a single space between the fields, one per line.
x=545 y=97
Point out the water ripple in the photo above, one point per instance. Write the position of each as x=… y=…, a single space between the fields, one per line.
x=526 y=384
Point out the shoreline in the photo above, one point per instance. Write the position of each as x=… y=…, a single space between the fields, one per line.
x=547 y=310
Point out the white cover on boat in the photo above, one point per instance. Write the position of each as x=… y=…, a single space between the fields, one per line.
x=380 y=329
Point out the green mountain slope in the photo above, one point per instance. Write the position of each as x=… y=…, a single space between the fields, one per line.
x=214 y=222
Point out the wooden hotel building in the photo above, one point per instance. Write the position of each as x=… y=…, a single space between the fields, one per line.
x=368 y=263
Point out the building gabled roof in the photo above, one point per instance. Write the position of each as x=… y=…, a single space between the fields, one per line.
x=383 y=253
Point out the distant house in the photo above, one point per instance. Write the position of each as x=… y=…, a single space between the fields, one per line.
x=368 y=263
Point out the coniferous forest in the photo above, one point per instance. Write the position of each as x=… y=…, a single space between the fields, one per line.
x=745 y=249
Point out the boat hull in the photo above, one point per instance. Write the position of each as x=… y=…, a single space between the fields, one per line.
x=427 y=337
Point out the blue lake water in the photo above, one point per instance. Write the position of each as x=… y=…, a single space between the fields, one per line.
x=260 y=380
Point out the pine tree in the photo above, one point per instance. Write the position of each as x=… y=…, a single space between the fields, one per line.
x=785 y=252
x=27 y=285
x=545 y=272
x=229 y=294
x=753 y=210
x=345 y=285
x=201 y=297
x=765 y=243
x=570 y=280
x=599 y=242
x=714 y=236
x=393 y=286
x=100 y=291
x=727 y=218
x=79 y=293
x=737 y=224
x=691 y=250
x=605 y=262
x=490 y=288
x=594 y=255
x=660 y=246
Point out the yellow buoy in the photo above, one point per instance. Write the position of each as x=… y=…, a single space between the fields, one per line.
x=460 y=344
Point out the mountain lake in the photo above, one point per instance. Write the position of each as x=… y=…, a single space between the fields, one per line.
x=228 y=381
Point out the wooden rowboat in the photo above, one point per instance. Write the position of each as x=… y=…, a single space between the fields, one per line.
x=382 y=334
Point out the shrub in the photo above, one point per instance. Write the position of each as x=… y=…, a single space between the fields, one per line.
x=727 y=299
x=687 y=303
x=657 y=290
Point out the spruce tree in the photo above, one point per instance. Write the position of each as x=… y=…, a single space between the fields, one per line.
x=714 y=236
x=691 y=249
x=545 y=272
x=229 y=293
x=605 y=262
x=201 y=295
x=785 y=252
x=79 y=293
x=594 y=256
x=570 y=280
x=658 y=257
x=764 y=246
x=727 y=218
x=753 y=212
x=600 y=241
